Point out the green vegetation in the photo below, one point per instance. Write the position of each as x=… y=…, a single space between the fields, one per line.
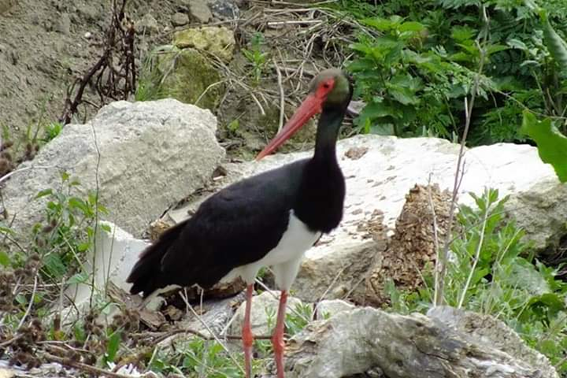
x=416 y=63
x=492 y=272
x=256 y=57
x=57 y=250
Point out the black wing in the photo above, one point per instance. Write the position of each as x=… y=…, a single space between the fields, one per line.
x=236 y=226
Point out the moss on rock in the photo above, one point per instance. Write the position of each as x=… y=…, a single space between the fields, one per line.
x=185 y=75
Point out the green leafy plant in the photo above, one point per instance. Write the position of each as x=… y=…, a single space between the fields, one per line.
x=68 y=230
x=196 y=357
x=552 y=145
x=256 y=57
x=297 y=319
x=415 y=64
x=51 y=131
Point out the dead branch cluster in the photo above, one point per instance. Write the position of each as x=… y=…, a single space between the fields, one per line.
x=113 y=76
x=302 y=42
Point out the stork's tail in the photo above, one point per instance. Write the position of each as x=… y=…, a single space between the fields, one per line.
x=146 y=276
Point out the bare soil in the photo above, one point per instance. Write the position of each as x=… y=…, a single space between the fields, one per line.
x=46 y=44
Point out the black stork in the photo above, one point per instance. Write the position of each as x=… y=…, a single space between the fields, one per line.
x=270 y=219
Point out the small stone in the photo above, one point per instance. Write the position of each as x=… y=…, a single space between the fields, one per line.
x=225 y=9
x=88 y=35
x=35 y=19
x=64 y=24
x=331 y=307
x=214 y=40
x=179 y=19
x=147 y=25
x=89 y=11
x=200 y=11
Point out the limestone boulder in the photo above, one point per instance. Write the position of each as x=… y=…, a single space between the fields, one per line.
x=399 y=346
x=141 y=157
x=380 y=171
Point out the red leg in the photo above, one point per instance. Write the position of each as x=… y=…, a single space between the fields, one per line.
x=247 y=336
x=277 y=338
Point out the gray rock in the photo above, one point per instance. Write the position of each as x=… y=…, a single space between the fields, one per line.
x=263 y=313
x=382 y=173
x=224 y=9
x=152 y=155
x=147 y=25
x=200 y=11
x=331 y=307
x=89 y=10
x=492 y=332
x=414 y=346
x=179 y=19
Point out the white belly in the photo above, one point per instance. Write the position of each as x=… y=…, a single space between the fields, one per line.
x=284 y=258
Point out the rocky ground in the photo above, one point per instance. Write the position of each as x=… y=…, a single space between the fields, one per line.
x=251 y=85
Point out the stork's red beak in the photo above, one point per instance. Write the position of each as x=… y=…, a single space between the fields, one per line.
x=308 y=108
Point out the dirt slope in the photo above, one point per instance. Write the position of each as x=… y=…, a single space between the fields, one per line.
x=45 y=44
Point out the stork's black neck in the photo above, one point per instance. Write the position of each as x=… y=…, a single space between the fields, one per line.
x=327 y=134
x=322 y=189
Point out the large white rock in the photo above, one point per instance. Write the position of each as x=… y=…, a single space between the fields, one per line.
x=380 y=178
x=143 y=157
x=112 y=259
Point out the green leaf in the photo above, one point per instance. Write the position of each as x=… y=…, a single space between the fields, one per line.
x=377 y=110
x=7 y=230
x=403 y=88
x=82 y=247
x=551 y=144
x=411 y=26
x=113 y=346
x=44 y=193
x=462 y=33
x=492 y=49
x=78 y=278
x=556 y=45
x=54 y=265
x=404 y=95
x=77 y=203
x=64 y=176
x=517 y=44
x=4 y=259
x=379 y=23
